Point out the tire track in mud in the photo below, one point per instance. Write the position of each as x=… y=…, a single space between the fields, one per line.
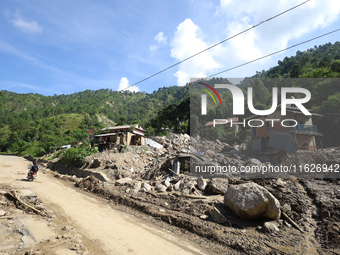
x=310 y=224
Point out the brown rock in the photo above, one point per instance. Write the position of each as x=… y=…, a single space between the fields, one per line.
x=160 y=188
x=217 y=186
x=123 y=181
x=251 y=201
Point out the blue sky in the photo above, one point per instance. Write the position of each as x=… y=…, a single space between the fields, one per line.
x=62 y=47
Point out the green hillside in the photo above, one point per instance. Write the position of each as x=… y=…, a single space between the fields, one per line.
x=35 y=124
x=322 y=61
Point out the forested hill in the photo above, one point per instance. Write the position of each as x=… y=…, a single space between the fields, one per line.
x=318 y=62
x=34 y=124
x=112 y=104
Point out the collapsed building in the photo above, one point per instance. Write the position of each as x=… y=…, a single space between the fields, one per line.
x=121 y=135
x=298 y=133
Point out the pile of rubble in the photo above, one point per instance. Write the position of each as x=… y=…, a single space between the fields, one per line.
x=173 y=142
x=184 y=184
x=136 y=161
x=156 y=165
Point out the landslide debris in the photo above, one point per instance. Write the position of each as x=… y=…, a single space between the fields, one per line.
x=140 y=179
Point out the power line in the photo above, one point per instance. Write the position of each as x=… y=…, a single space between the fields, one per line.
x=215 y=45
x=275 y=52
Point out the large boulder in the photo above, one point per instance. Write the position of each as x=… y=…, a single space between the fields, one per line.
x=251 y=201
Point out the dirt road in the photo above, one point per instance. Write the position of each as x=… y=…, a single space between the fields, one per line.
x=102 y=229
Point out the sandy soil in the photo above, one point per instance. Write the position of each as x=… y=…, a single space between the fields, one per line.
x=80 y=223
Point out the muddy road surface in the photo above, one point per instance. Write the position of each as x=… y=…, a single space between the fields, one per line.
x=80 y=224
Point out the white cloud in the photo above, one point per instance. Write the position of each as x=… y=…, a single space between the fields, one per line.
x=160 y=38
x=124 y=83
x=153 y=48
x=31 y=27
x=187 y=41
x=234 y=16
x=275 y=34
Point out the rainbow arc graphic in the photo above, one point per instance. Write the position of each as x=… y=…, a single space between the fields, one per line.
x=209 y=93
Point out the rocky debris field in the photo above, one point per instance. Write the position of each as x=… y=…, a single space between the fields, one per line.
x=232 y=215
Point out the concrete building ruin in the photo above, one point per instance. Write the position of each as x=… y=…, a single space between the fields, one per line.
x=275 y=135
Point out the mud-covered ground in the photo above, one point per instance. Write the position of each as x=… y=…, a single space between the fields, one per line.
x=326 y=197
x=303 y=200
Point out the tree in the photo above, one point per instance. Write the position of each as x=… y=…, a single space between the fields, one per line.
x=136 y=122
x=260 y=92
x=80 y=135
x=336 y=67
x=149 y=132
x=122 y=120
x=295 y=72
x=195 y=126
x=323 y=64
x=332 y=105
x=184 y=127
x=327 y=59
x=1 y=95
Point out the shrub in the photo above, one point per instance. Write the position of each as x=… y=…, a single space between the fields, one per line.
x=75 y=156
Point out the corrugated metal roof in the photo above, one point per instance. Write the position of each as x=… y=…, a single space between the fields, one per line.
x=153 y=144
x=124 y=127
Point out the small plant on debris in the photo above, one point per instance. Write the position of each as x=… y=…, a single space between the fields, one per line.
x=75 y=156
x=125 y=149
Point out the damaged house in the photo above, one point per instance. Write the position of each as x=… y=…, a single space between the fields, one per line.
x=123 y=135
x=274 y=135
